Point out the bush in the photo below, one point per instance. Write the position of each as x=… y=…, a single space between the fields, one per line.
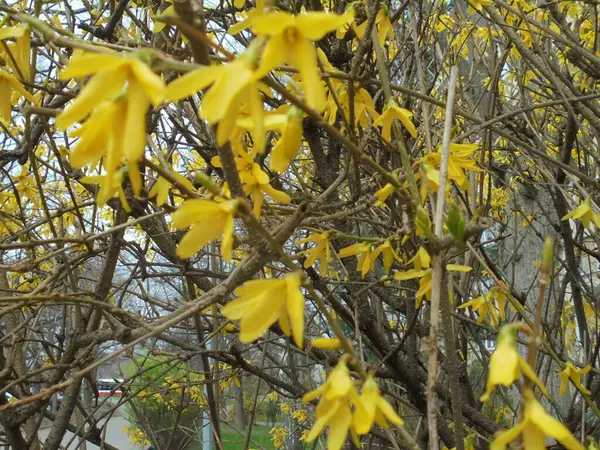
x=168 y=403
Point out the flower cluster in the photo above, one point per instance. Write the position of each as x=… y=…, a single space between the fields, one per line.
x=263 y=302
x=343 y=410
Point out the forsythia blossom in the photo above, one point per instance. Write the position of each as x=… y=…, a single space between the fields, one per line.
x=209 y=220
x=506 y=365
x=322 y=251
x=343 y=410
x=372 y=407
x=570 y=372
x=536 y=425
x=232 y=85
x=262 y=302
x=120 y=123
x=291 y=40
x=393 y=111
x=333 y=409
x=586 y=213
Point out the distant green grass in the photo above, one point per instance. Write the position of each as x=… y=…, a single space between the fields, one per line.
x=235 y=441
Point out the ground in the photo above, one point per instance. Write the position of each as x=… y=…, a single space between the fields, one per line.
x=115 y=436
x=235 y=441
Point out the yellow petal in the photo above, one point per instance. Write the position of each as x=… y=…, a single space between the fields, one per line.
x=272 y=23
x=192 y=82
x=91 y=63
x=195 y=210
x=135 y=178
x=353 y=249
x=315 y=25
x=274 y=55
x=235 y=309
x=92 y=143
x=287 y=146
x=16 y=85
x=260 y=317
x=197 y=237
x=11 y=32
x=550 y=426
x=310 y=396
x=152 y=84
x=256 y=287
x=338 y=427
x=225 y=93
x=410 y=274
x=529 y=373
x=227 y=242
x=405 y=117
x=330 y=409
x=135 y=122
x=280 y=196
x=458 y=268
x=305 y=59
x=389 y=412
x=295 y=307
x=102 y=86
x=504 y=438
x=326 y=343
x=5 y=104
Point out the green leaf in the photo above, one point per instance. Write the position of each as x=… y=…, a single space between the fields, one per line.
x=424 y=222
x=456 y=226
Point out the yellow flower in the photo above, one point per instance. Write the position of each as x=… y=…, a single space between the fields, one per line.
x=160 y=190
x=233 y=85
x=111 y=73
x=8 y=83
x=506 y=365
x=425 y=282
x=536 y=425
x=366 y=260
x=27 y=187
x=321 y=251
x=158 y=24
x=372 y=407
x=479 y=4
x=256 y=183
x=586 y=213
x=421 y=260
x=388 y=252
x=459 y=160
x=289 y=125
x=383 y=193
x=110 y=184
x=279 y=435
x=485 y=306
x=127 y=116
x=326 y=343
x=262 y=302
x=291 y=41
x=391 y=112
x=101 y=136
x=570 y=372
x=384 y=26
x=210 y=220
x=20 y=49
x=300 y=415
x=250 y=16
x=364 y=107
x=333 y=409
x=288 y=144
